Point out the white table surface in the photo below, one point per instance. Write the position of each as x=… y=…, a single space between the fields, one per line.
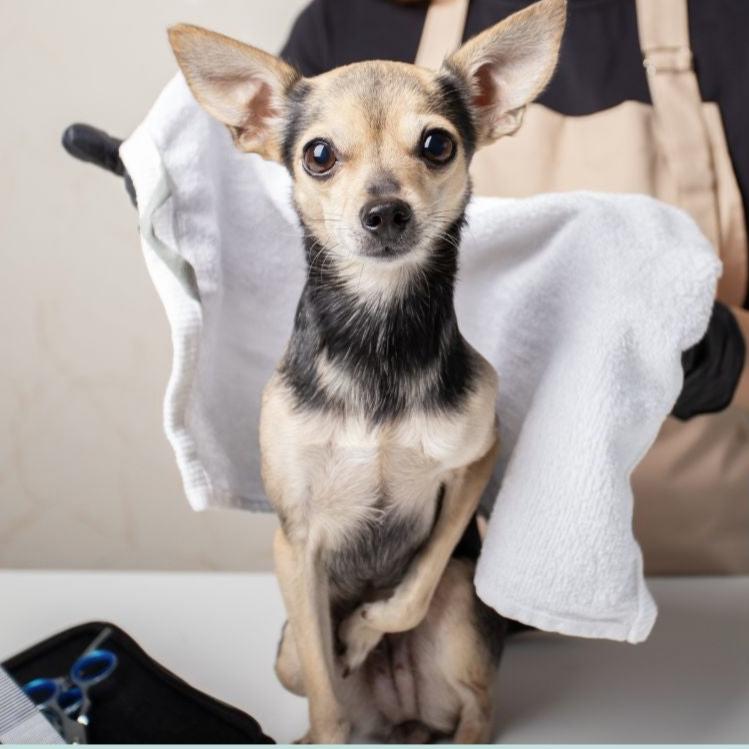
x=688 y=683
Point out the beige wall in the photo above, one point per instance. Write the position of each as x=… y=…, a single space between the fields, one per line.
x=87 y=479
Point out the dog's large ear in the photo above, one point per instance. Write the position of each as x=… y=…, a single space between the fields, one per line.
x=239 y=85
x=508 y=65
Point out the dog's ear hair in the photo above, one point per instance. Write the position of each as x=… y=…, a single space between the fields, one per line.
x=239 y=85
x=508 y=65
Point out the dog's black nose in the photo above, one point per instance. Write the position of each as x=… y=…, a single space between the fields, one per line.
x=386 y=219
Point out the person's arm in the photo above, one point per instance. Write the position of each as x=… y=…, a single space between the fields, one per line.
x=714 y=372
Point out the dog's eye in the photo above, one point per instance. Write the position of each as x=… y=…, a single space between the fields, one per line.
x=437 y=147
x=319 y=157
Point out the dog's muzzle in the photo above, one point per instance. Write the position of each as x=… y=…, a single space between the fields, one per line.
x=389 y=226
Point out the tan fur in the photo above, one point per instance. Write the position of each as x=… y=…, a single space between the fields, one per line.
x=239 y=85
x=415 y=664
x=375 y=137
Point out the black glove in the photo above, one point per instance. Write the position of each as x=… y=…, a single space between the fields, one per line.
x=86 y=143
x=712 y=367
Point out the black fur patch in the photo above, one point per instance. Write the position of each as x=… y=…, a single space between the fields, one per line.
x=297 y=114
x=374 y=560
x=384 y=350
x=452 y=102
x=491 y=626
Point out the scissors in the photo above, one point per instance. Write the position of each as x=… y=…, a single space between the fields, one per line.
x=64 y=701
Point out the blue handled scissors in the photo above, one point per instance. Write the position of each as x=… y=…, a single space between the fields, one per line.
x=64 y=700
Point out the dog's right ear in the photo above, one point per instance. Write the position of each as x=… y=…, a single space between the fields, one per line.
x=239 y=85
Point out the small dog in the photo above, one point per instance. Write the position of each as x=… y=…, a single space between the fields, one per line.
x=378 y=430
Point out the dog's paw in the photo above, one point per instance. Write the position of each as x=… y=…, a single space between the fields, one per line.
x=358 y=640
x=404 y=610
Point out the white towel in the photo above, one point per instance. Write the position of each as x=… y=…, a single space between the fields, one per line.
x=583 y=302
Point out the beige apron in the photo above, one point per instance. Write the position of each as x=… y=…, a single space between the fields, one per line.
x=692 y=489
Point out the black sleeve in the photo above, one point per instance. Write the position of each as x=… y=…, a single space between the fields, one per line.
x=329 y=33
x=309 y=46
x=718 y=31
x=712 y=367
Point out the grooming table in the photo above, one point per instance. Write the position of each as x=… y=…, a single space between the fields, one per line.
x=688 y=683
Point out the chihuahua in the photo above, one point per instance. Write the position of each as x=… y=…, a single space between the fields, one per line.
x=378 y=431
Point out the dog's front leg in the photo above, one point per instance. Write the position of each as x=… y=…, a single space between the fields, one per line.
x=409 y=603
x=304 y=588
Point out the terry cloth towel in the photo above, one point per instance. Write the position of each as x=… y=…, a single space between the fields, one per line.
x=583 y=302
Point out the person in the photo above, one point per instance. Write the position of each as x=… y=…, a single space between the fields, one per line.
x=649 y=96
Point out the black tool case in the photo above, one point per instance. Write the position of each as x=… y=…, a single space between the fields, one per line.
x=141 y=701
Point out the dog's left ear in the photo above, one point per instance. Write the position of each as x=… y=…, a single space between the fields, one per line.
x=508 y=65
x=239 y=85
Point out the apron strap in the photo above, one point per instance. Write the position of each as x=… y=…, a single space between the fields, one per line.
x=682 y=133
x=442 y=33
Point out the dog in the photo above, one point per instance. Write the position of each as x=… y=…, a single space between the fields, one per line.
x=378 y=431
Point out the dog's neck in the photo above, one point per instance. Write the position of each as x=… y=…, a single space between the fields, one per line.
x=384 y=356
x=375 y=315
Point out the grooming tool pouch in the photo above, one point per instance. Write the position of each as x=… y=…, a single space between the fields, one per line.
x=141 y=701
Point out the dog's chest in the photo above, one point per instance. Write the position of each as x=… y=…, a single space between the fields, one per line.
x=360 y=473
x=376 y=492
x=331 y=477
